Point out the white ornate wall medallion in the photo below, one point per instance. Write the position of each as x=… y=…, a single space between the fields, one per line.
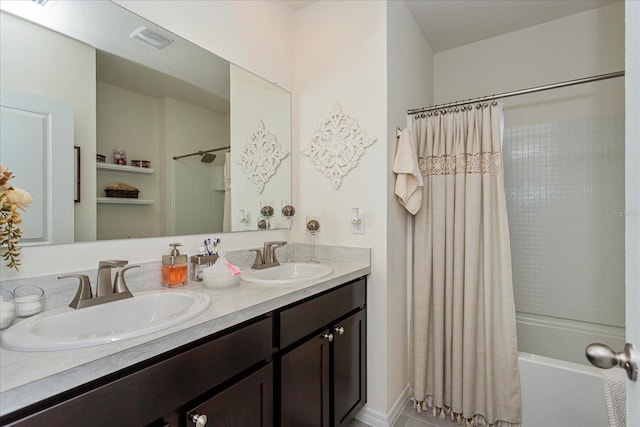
x=337 y=145
x=261 y=156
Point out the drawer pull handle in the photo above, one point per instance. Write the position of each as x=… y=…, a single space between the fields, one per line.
x=327 y=336
x=199 y=420
x=339 y=330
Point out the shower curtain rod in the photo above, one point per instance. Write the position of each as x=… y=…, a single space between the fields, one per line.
x=520 y=92
x=202 y=152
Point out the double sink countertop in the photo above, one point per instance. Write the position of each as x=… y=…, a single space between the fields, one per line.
x=29 y=377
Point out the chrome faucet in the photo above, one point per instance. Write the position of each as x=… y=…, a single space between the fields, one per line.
x=106 y=291
x=267 y=257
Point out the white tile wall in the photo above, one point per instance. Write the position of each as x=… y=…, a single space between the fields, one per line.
x=564 y=183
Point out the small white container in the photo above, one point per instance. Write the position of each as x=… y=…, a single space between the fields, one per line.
x=29 y=300
x=219 y=276
x=7 y=308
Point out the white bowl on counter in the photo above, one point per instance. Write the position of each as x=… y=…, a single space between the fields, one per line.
x=213 y=280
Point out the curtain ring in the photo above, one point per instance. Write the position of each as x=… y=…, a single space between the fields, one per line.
x=423 y=116
x=478 y=106
x=494 y=103
x=485 y=105
x=457 y=109
x=429 y=114
x=435 y=113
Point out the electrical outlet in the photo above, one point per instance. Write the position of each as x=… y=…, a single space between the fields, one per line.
x=360 y=228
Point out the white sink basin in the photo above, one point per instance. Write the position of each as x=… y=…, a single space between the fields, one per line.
x=287 y=273
x=65 y=328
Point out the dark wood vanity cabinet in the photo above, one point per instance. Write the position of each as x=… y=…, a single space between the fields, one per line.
x=158 y=391
x=303 y=365
x=323 y=358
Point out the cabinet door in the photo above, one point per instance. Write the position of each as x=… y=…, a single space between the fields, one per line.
x=349 y=365
x=248 y=402
x=305 y=384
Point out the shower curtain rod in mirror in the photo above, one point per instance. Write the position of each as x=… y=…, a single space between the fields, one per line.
x=519 y=92
x=202 y=152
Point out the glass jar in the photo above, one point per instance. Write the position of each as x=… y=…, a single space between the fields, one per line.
x=29 y=300
x=7 y=308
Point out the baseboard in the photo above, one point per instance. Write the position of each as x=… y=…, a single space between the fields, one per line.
x=379 y=419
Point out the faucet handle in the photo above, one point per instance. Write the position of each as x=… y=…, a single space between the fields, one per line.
x=274 y=258
x=259 y=260
x=270 y=251
x=119 y=284
x=84 y=289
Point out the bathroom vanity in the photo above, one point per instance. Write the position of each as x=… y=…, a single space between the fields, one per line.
x=300 y=359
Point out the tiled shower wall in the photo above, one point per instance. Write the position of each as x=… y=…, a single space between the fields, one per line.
x=565 y=198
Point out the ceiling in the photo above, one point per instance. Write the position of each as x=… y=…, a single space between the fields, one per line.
x=447 y=24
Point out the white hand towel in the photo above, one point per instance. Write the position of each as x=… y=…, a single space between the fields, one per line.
x=408 y=179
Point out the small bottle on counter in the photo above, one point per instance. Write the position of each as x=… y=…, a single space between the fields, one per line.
x=174 y=268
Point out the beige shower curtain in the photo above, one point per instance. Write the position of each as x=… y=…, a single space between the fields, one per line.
x=464 y=349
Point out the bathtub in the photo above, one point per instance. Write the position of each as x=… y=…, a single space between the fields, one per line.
x=559 y=386
x=557 y=393
x=563 y=339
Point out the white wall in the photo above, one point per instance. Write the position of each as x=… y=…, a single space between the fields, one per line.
x=341 y=57
x=27 y=50
x=580 y=45
x=410 y=85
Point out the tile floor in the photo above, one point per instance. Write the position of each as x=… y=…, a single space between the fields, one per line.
x=410 y=418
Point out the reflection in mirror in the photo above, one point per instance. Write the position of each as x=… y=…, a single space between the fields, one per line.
x=147 y=106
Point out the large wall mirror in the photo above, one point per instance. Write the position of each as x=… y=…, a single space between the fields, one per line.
x=191 y=143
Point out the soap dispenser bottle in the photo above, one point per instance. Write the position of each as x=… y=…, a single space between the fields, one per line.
x=174 y=268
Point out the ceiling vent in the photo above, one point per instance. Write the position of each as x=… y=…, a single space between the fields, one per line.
x=47 y=3
x=150 y=37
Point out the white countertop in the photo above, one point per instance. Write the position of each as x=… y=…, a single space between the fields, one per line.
x=28 y=377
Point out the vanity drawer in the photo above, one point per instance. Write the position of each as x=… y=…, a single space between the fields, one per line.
x=319 y=312
x=249 y=402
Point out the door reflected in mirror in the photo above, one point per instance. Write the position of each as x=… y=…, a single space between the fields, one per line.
x=148 y=106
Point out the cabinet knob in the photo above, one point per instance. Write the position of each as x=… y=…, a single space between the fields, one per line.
x=339 y=330
x=327 y=336
x=199 y=420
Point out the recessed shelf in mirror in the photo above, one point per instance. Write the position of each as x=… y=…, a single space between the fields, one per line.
x=122 y=168
x=123 y=201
